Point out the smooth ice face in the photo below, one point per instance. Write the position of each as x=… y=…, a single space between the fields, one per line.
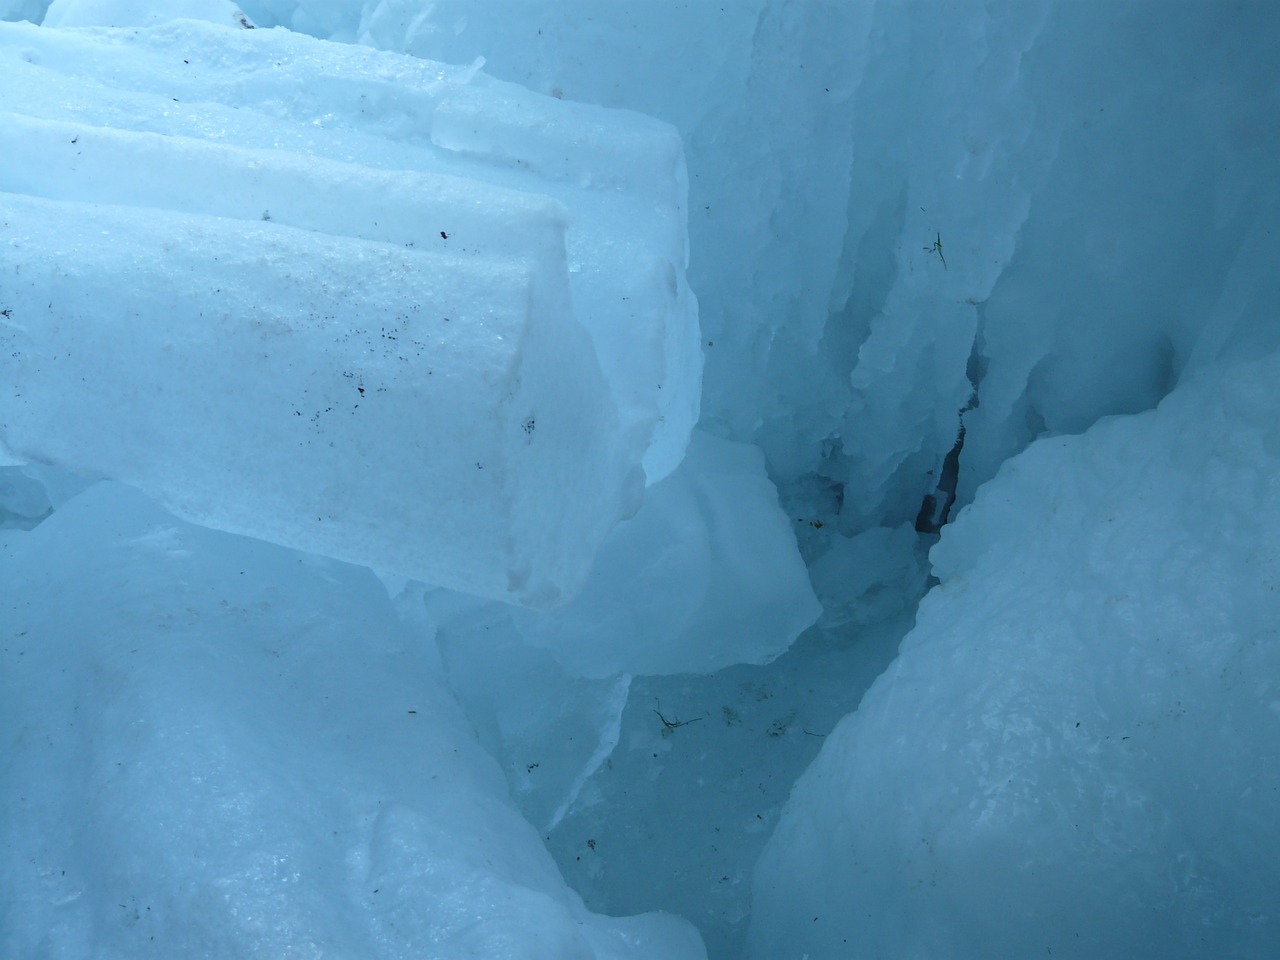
x=30 y=10
x=285 y=220
x=228 y=749
x=250 y=385
x=706 y=575
x=1076 y=749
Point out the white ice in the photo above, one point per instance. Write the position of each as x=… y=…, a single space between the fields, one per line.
x=433 y=181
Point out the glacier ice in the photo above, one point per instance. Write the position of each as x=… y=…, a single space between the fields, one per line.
x=228 y=749
x=704 y=576
x=435 y=184
x=1076 y=751
x=1004 y=264
x=111 y=13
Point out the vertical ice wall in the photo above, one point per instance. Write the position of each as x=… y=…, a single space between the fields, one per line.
x=891 y=203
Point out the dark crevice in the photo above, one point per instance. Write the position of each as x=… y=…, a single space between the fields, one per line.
x=935 y=508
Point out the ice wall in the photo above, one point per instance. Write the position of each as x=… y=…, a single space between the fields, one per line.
x=448 y=360
x=892 y=204
x=1076 y=750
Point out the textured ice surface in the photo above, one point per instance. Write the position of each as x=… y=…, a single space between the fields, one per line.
x=249 y=382
x=422 y=182
x=1077 y=750
x=222 y=748
x=882 y=192
x=905 y=218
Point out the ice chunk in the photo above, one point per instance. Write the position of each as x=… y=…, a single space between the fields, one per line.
x=173 y=182
x=222 y=747
x=636 y=305
x=550 y=731
x=1077 y=748
x=32 y=10
x=621 y=175
x=707 y=574
x=356 y=399
x=23 y=500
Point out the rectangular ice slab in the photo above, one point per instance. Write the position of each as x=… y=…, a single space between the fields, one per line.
x=296 y=99
x=347 y=301
x=346 y=397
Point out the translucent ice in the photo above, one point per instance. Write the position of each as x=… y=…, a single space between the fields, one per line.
x=228 y=749
x=120 y=13
x=307 y=388
x=891 y=202
x=706 y=575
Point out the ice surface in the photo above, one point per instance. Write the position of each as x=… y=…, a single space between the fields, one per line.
x=925 y=237
x=252 y=363
x=706 y=575
x=222 y=748
x=882 y=191
x=24 y=502
x=873 y=577
x=30 y=10
x=506 y=686
x=764 y=95
x=1076 y=750
x=197 y=120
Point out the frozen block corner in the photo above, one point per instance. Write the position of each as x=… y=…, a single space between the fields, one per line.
x=706 y=574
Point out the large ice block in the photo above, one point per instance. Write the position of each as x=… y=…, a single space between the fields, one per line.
x=621 y=174
x=1076 y=750
x=352 y=398
x=421 y=187
x=222 y=748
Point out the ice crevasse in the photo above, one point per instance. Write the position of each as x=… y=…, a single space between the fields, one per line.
x=985 y=314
